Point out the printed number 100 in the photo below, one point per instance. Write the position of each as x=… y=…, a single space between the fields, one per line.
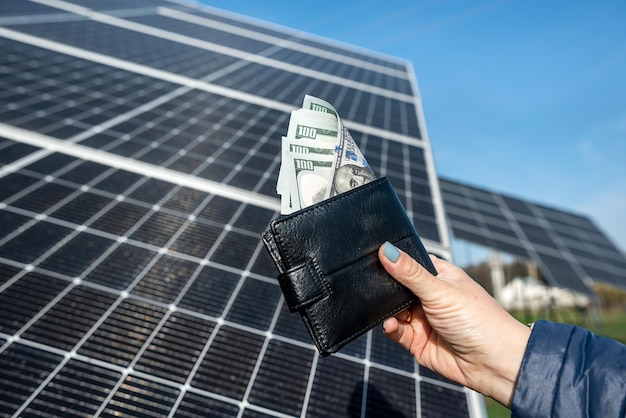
x=303 y=164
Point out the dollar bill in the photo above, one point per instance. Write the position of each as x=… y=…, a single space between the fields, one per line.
x=309 y=165
x=319 y=157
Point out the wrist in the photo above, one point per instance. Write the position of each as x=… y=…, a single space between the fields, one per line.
x=502 y=369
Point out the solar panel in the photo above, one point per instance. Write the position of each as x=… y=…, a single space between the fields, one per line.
x=569 y=248
x=139 y=156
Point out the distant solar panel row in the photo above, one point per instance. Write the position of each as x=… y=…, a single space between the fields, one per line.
x=569 y=248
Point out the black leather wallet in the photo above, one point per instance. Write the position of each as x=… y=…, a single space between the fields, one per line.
x=327 y=257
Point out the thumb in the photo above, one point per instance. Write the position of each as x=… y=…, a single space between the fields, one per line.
x=409 y=272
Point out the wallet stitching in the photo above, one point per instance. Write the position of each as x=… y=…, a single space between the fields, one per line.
x=319 y=278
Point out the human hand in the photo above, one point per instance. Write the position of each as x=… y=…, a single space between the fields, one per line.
x=457 y=330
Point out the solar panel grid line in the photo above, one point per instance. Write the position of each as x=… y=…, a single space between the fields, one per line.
x=42 y=18
x=406 y=164
x=210 y=46
x=257 y=366
x=437 y=198
x=137 y=167
x=367 y=364
x=281 y=42
x=309 y=388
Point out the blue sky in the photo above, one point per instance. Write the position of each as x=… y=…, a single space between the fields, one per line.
x=526 y=98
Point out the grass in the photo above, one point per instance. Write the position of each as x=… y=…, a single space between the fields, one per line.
x=612 y=324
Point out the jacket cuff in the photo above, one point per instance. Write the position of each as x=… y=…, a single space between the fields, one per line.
x=541 y=370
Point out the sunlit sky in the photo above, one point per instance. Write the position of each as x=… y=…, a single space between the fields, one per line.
x=525 y=98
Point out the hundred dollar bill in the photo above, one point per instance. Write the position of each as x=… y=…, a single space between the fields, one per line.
x=319 y=157
x=351 y=168
x=306 y=124
x=309 y=124
x=301 y=155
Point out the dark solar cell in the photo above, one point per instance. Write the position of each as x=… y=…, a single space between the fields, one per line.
x=290 y=325
x=518 y=206
x=85 y=172
x=118 y=182
x=120 y=218
x=427 y=228
x=81 y=208
x=140 y=397
x=151 y=191
x=537 y=234
x=77 y=254
x=282 y=378
x=254 y=218
x=15 y=151
x=255 y=304
x=10 y=221
x=210 y=291
x=174 y=351
x=165 y=279
x=44 y=197
x=425 y=372
x=69 y=319
x=33 y=242
x=121 y=267
x=19 y=7
x=220 y=210
x=337 y=388
x=560 y=271
x=7 y=272
x=185 y=200
x=22 y=370
x=51 y=163
x=14 y=183
x=388 y=353
x=438 y=401
x=122 y=334
x=158 y=228
x=264 y=265
x=194 y=405
x=390 y=395
x=235 y=250
x=229 y=363
x=25 y=298
x=78 y=389
x=197 y=239
x=510 y=246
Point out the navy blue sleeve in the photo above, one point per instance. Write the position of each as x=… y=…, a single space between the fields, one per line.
x=570 y=372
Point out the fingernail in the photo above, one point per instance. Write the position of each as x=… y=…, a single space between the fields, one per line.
x=391 y=252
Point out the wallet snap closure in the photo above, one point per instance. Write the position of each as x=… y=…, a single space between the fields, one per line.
x=303 y=285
